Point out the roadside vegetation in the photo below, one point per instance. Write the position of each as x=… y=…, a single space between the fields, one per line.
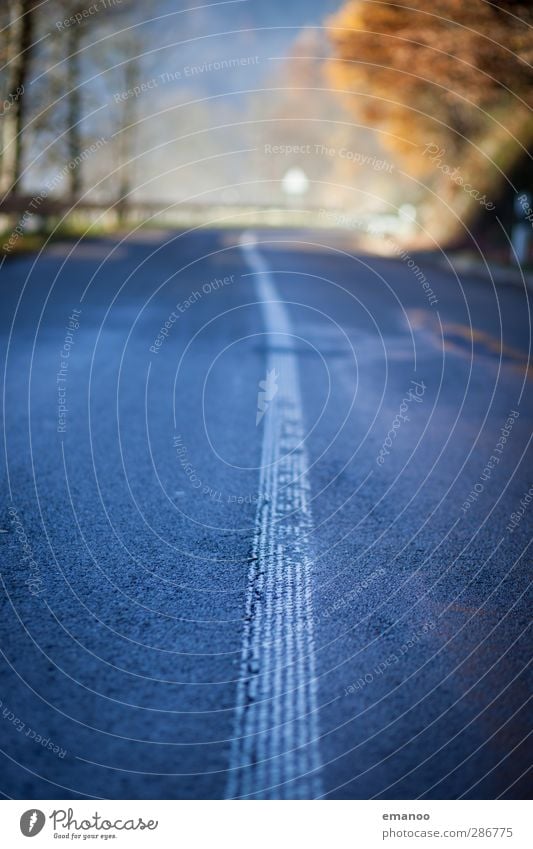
x=448 y=86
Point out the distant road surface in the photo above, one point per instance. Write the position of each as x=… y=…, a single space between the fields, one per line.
x=266 y=522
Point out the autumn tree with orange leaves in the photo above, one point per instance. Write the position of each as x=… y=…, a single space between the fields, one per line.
x=448 y=73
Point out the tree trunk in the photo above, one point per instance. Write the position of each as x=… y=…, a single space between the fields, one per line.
x=21 y=40
x=125 y=139
x=74 y=111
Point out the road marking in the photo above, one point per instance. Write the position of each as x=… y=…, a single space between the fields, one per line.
x=275 y=749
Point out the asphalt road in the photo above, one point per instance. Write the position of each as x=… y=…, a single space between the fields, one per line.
x=257 y=528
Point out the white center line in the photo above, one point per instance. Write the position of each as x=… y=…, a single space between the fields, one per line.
x=275 y=751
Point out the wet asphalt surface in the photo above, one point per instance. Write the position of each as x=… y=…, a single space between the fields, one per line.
x=128 y=517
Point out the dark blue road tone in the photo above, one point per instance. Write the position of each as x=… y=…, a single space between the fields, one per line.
x=147 y=549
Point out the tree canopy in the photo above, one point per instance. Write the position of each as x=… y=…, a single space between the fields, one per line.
x=449 y=73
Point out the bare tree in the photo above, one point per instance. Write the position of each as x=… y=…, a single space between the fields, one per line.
x=19 y=50
x=83 y=32
x=74 y=37
x=126 y=115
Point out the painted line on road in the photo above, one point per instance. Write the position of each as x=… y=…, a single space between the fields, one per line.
x=275 y=748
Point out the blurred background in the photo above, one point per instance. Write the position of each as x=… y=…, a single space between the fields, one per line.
x=240 y=191
x=409 y=119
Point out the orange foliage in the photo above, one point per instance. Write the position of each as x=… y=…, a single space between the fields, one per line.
x=436 y=69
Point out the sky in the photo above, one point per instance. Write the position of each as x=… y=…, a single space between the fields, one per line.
x=217 y=85
x=221 y=93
